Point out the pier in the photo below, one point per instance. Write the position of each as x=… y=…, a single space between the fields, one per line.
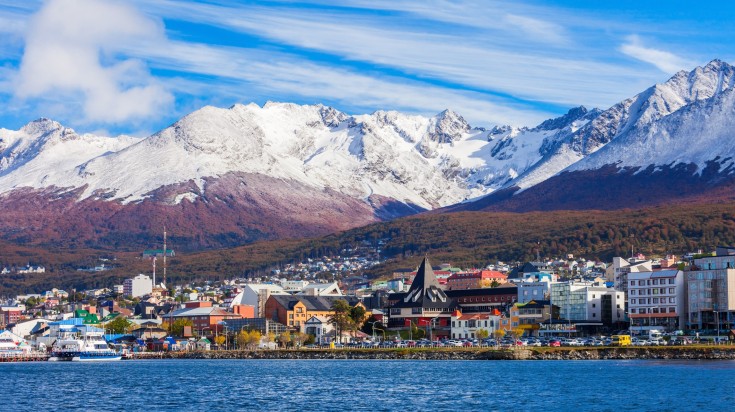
x=24 y=357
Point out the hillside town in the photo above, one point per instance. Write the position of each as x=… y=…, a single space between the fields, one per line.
x=546 y=302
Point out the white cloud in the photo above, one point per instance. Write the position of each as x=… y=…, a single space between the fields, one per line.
x=71 y=51
x=538 y=30
x=665 y=61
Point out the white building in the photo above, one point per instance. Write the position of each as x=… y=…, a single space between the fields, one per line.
x=118 y=289
x=588 y=302
x=656 y=300
x=618 y=272
x=321 y=328
x=140 y=285
x=293 y=286
x=467 y=326
x=321 y=289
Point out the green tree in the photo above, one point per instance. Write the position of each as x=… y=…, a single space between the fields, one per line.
x=118 y=325
x=341 y=316
x=482 y=333
x=299 y=338
x=177 y=328
x=357 y=315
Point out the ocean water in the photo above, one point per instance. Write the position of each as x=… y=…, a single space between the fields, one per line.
x=369 y=385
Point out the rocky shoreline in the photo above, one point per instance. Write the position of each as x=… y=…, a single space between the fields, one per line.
x=696 y=353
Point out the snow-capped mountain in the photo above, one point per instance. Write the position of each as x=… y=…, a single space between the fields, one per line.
x=678 y=130
x=284 y=170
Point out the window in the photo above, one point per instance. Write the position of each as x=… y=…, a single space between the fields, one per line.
x=672 y=300
x=672 y=290
x=594 y=315
x=632 y=283
x=671 y=281
x=632 y=301
x=632 y=311
x=594 y=305
x=672 y=310
x=454 y=324
x=632 y=291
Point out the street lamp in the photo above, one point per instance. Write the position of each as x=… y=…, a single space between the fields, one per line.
x=373 y=327
x=431 y=328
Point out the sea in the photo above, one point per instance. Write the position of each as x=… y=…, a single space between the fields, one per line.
x=369 y=385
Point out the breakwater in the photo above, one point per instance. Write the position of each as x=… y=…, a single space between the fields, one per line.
x=708 y=352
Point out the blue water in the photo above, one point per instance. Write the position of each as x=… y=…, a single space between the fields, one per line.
x=330 y=385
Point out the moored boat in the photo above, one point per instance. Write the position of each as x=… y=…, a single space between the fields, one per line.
x=82 y=343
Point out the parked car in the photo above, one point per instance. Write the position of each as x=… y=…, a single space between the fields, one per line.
x=554 y=343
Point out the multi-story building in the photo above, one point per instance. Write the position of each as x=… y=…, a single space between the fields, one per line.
x=588 y=303
x=656 y=300
x=140 y=285
x=474 y=280
x=10 y=315
x=466 y=326
x=530 y=315
x=528 y=291
x=294 y=310
x=711 y=291
x=256 y=295
x=618 y=272
x=206 y=320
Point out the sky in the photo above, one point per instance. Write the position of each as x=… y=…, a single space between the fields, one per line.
x=136 y=66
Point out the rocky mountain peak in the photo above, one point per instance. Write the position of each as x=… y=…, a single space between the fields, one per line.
x=448 y=126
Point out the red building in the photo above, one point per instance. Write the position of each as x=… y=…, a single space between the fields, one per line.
x=475 y=280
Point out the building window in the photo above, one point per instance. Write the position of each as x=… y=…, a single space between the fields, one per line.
x=671 y=281
x=632 y=301
x=672 y=290
x=594 y=305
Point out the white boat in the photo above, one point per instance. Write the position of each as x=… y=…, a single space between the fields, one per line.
x=82 y=343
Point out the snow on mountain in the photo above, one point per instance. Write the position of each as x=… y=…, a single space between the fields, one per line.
x=35 y=154
x=635 y=113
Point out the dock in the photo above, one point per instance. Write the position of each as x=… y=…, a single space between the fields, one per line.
x=24 y=357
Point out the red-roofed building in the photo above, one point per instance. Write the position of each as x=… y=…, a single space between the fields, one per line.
x=467 y=326
x=475 y=280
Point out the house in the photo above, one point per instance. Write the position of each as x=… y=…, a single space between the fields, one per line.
x=149 y=331
x=485 y=299
x=203 y=344
x=321 y=289
x=321 y=328
x=467 y=326
x=10 y=315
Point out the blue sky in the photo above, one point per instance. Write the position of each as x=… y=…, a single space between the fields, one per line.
x=136 y=66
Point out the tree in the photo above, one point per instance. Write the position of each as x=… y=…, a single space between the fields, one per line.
x=254 y=339
x=299 y=338
x=284 y=338
x=118 y=325
x=517 y=332
x=177 y=328
x=341 y=316
x=219 y=339
x=270 y=337
x=242 y=339
x=357 y=315
x=482 y=333
x=499 y=333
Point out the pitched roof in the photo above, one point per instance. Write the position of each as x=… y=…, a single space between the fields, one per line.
x=312 y=303
x=425 y=291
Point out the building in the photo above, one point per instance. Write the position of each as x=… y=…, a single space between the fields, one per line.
x=321 y=289
x=203 y=318
x=529 y=316
x=618 y=272
x=256 y=295
x=588 y=304
x=320 y=328
x=656 y=300
x=294 y=310
x=475 y=280
x=10 y=315
x=711 y=291
x=529 y=290
x=263 y=325
x=467 y=326
x=138 y=286
x=425 y=303
x=484 y=300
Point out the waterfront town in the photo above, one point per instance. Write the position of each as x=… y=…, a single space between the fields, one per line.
x=557 y=302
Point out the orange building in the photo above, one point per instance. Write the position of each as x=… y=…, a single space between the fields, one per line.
x=294 y=310
x=203 y=318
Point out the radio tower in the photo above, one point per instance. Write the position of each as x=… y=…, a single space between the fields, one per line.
x=164 y=254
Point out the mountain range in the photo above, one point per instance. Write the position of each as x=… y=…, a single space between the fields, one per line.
x=221 y=177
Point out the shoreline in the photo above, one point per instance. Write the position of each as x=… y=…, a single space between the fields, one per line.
x=607 y=353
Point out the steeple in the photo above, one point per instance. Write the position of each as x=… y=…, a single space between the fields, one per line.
x=425 y=290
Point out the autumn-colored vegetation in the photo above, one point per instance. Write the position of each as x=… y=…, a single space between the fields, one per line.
x=465 y=239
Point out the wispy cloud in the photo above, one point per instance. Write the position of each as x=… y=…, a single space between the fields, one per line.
x=665 y=61
x=70 y=49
